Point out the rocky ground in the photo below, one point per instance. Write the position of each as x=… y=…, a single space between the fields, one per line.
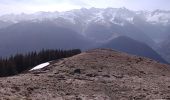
x=100 y=74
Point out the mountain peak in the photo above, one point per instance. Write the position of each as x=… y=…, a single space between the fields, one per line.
x=93 y=13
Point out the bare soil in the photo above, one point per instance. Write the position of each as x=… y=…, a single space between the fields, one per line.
x=100 y=74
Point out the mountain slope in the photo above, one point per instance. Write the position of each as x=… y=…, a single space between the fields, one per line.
x=4 y=24
x=78 y=20
x=128 y=45
x=100 y=74
x=95 y=24
x=164 y=49
x=29 y=36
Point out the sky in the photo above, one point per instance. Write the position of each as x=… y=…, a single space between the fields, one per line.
x=31 y=6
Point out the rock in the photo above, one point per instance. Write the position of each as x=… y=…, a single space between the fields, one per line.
x=100 y=74
x=77 y=71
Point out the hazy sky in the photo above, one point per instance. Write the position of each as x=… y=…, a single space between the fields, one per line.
x=30 y=6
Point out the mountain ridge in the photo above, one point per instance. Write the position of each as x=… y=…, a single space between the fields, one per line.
x=131 y=46
x=72 y=13
x=95 y=74
x=94 y=25
x=84 y=17
x=31 y=36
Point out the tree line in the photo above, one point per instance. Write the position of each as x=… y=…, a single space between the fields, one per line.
x=22 y=62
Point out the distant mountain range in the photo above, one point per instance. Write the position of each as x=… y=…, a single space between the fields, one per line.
x=131 y=46
x=30 y=36
x=152 y=23
x=83 y=28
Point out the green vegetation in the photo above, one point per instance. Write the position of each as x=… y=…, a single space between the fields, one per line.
x=20 y=62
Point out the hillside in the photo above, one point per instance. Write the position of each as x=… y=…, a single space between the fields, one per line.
x=131 y=46
x=100 y=24
x=100 y=74
x=30 y=36
x=164 y=49
x=81 y=27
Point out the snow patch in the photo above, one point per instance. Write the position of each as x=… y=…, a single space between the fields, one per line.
x=87 y=16
x=40 y=66
x=162 y=18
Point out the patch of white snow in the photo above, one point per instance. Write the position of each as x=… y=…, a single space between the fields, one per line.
x=40 y=66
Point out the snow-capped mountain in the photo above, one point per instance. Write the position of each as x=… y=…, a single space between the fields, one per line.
x=87 y=28
x=81 y=19
x=85 y=15
x=95 y=15
x=100 y=24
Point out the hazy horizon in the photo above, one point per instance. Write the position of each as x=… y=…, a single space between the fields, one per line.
x=32 y=6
